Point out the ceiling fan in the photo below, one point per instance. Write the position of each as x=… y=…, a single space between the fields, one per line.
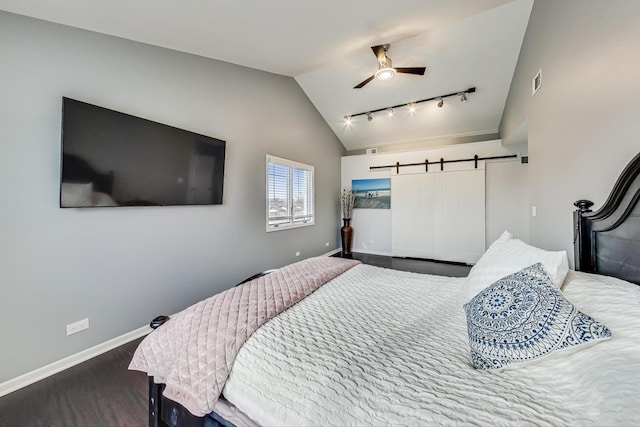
x=385 y=69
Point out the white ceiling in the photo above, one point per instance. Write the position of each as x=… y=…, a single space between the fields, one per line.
x=325 y=45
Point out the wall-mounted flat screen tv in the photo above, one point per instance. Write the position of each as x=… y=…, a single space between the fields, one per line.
x=115 y=159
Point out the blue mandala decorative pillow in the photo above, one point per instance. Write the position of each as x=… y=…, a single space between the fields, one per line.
x=524 y=317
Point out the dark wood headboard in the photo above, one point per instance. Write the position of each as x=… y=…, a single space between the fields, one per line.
x=607 y=241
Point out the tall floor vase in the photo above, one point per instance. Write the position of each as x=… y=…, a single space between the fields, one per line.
x=346 y=233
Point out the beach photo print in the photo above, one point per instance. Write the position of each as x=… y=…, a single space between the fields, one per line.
x=372 y=193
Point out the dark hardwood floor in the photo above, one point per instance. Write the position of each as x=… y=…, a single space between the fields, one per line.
x=95 y=393
x=103 y=392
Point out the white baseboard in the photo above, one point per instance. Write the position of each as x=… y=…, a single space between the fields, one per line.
x=330 y=253
x=75 y=359
x=366 y=251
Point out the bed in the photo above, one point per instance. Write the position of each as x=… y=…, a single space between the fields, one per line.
x=353 y=344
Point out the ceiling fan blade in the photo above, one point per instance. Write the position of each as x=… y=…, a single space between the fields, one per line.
x=378 y=51
x=364 y=82
x=411 y=70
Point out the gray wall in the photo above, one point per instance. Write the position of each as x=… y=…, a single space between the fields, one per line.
x=121 y=267
x=584 y=122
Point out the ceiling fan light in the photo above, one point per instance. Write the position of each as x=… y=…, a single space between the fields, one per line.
x=385 y=73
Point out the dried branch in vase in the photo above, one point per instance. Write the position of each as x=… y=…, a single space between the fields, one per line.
x=348 y=200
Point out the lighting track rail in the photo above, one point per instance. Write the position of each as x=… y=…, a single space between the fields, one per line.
x=411 y=105
x=441 y=162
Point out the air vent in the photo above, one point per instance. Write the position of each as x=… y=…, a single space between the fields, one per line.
x=524 y=159
x=372 y=150
x=536 y=83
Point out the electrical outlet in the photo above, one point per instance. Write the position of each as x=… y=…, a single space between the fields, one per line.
x=74 y=328
x=298 y=253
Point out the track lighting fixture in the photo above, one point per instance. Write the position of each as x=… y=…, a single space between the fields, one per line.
x=348 y=120
x=412 y=105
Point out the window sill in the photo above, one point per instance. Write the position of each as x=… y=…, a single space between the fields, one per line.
x=289 y=226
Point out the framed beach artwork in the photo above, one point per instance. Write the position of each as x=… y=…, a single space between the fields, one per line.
x=372 y=193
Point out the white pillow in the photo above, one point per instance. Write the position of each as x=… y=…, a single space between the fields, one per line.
x=505 y=236
x=506 y=256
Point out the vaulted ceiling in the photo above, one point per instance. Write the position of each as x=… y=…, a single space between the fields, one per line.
x=325 y=46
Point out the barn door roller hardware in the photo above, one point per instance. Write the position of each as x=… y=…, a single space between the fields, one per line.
x=441 y=162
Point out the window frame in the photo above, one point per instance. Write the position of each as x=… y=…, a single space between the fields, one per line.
x=292 y=221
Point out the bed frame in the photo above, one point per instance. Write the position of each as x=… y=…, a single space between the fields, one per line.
x=165 y=412
x=605 y=242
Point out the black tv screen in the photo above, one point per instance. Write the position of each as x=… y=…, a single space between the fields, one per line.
x=115 y=159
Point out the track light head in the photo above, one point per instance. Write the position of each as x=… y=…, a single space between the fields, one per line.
x=348 y=119
x=440 y=102
x=412 y=107
x=369 y=116
x=463 y=96
x=390 y=112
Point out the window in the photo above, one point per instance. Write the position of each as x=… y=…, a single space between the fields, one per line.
x=289 y=194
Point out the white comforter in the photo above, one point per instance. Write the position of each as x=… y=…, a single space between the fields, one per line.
x=384 y=347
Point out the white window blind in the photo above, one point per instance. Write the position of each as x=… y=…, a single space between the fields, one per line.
x=289 y=194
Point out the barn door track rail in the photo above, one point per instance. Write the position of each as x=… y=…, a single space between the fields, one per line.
x=441 y=162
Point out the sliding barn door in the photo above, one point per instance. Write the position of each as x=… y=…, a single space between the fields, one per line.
x=439 y=215
x=413 y=213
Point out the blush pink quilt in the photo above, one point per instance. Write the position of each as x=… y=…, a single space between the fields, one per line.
x=194 y=351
